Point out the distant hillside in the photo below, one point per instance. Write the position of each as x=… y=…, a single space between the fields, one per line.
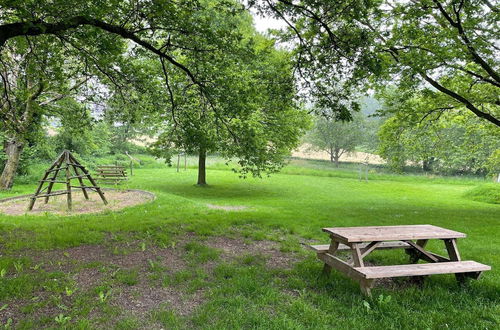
x=369 y=105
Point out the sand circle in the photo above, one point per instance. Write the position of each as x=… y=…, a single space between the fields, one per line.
x=117 y=200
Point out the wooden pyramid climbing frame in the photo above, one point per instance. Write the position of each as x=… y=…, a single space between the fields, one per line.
x=67 y=165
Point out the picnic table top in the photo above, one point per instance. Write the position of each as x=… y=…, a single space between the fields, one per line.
x=391 y=233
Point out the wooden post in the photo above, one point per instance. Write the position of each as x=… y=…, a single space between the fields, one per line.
x=82 y=184
x=366 y=286
x=334 y=245
x=68 y=180
x=454 y=255
x=57 y=164
x=356 y=255
x=131 y=167
x=64 y=162
x=415 y=254
x=97 y=188
x=178 y=160
x=38 y=189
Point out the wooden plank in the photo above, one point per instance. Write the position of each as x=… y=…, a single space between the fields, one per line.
x=356 y=256
x=451 y=247
x=452 y=267
x=422 y=251
x=77 y=176
x=323 y=248
x=54 y=181
x=332 y=249
x=111 y=175
x=391 y=233
x=414 y=256
x=80 y=180
x=54 y=177
x=76 y=165
x=52 y=194
x=38 y=190
x=110 y=166
x=369 y=248
x=92 y=181
x=341 y=266
x=68 y=181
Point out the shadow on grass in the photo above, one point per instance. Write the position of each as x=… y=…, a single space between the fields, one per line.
x=231 y=191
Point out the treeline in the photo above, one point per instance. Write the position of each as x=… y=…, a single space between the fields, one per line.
x=412 y=132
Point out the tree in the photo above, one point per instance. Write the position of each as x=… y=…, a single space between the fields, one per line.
x=35 y=76
x=441 y=141
x=448 y=46
x=92 y=33
x=336 y=137
x=249 y=113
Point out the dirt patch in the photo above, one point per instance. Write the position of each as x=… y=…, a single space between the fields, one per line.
x=90 y=266
x=141 y=299
x=227 y=207
x=232 y=248
x=117 y=200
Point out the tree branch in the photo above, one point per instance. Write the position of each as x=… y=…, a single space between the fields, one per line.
x=461 y=99
x=8 y=31
x=461 y=32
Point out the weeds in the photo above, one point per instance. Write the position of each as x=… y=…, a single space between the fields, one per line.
x=61 y=319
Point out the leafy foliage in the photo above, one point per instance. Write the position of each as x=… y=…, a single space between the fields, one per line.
x=249 y=114
x=442 y=141
x=445 y=47
x=336 y=137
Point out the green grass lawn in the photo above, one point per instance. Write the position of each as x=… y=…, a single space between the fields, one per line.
x=128 y=255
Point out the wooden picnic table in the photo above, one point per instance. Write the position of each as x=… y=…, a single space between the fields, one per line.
x=361 y=241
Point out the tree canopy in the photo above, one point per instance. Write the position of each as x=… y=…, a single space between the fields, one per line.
x=453 y=142
x=196 y=67
x=448 y=47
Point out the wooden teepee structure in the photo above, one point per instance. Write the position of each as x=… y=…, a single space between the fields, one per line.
x=67 y=165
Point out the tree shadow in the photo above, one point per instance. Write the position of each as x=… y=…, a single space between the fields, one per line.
x=231 y=191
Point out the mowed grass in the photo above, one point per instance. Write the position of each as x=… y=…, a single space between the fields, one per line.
x=290 y=209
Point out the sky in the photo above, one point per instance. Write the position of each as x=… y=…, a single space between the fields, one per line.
x=262 y=24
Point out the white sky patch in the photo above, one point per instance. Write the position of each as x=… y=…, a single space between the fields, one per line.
x=262 y=24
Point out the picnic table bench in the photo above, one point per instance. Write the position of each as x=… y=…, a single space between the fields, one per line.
x=361 y=241
x=111 y=173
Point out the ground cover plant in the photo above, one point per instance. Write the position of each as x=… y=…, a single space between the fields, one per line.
x=179 y=262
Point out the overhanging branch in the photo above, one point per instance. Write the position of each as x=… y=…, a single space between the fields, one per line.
x=9 y=31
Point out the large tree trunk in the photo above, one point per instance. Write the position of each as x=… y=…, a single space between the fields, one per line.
x=202 y=175
x=427 y=164
x=13 y=150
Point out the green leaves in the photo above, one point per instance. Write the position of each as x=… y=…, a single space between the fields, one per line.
x=425 y=129
x=246 y=110
x=341 y=47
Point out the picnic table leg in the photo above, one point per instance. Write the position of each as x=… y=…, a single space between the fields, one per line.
x=356 y=255
x=334 y=245
x=415 y=255
x=454 y=255
x=414 y=258
x=366 y=286
x=357 y=258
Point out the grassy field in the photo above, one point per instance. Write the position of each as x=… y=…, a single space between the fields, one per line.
x=231 y=255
